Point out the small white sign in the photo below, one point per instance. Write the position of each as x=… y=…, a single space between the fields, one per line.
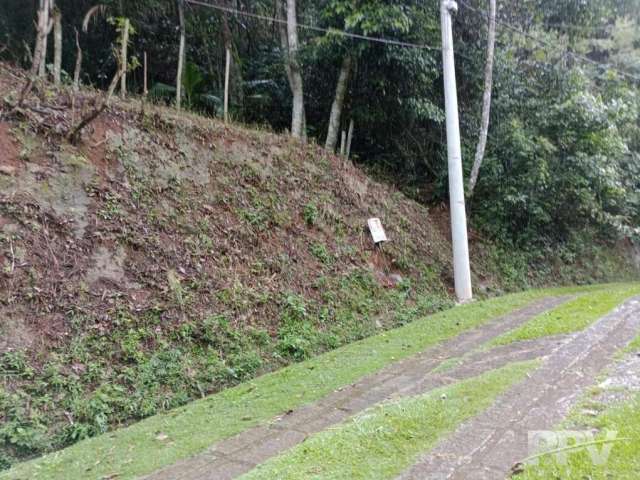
x=377 y=232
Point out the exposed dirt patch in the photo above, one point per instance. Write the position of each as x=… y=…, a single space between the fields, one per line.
x=107 y=265
x=95 y=146
x=15 y=334
x=8 y=150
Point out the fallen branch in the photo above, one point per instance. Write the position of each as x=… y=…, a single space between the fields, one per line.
x=74 y=134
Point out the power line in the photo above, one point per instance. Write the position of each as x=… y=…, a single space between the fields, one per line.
x=550 y=45
x=580 y=28
x=334 y=31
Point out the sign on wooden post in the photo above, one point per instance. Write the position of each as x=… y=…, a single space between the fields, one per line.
x=377 y=232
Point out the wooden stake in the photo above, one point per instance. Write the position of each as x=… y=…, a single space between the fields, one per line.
x=145 y=90
x=226 y=86
x=181 y=50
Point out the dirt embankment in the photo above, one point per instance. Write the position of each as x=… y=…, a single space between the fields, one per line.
x=188 y=217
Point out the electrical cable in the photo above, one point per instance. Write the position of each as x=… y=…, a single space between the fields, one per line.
x=335 y=31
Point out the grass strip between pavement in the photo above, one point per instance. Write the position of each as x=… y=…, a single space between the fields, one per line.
x=164 y=439
x=572 y=316
x=386 y=439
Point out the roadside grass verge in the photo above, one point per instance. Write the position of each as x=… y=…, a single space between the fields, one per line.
x=386 y=439
x=163 y=439
x=623 y=462
x=572 y=316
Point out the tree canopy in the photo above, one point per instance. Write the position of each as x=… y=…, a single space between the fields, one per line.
x=563 y=151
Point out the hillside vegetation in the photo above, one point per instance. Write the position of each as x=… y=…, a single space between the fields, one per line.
x=168 y=256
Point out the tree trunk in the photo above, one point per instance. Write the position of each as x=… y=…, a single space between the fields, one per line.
x=57 y=45
x=236 y=91
x=76 y=72
x=486 y=99
x=145 y=82
x=338 y=103
x=46 y=9
x=226 y=85
x=124 y=58
x=284 y=40
x=180 y=55
x=297 y=116
x=43 y=30
x=349 y=138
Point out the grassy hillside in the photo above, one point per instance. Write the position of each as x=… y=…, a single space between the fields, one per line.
x=168 y=256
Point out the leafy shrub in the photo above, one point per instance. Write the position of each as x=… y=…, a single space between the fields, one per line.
x=298 y=341
x=320 y=251
x=310 y=214
x=5 y=462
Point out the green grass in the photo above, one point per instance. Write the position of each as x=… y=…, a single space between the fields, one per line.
x=134 y=451
x=623 y=462
x=386 y=439
x=449 y=364
x=633 y=346
x=572 y=316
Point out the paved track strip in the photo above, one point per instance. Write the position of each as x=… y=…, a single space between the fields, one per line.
x=489 y=445
x=232 y=457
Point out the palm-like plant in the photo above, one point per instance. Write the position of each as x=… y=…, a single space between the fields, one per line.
x=196 y=96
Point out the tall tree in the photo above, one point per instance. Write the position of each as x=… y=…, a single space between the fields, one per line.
x=124 y=55
x=486 y=99
x=44 y=27
x=295 y=79
x=181 y=54
x=57 y=44
x=338 y=104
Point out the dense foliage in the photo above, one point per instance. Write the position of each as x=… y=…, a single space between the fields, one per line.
x=563 y=153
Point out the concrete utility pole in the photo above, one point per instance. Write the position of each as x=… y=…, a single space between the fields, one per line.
x=461 y=269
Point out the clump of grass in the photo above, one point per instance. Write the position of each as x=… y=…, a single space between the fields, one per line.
x=310 y=214
x=320 y=251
